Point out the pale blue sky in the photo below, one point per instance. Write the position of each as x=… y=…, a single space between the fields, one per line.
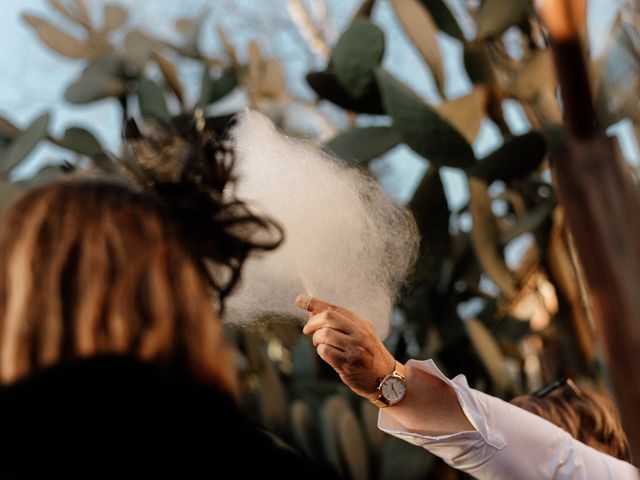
x=32 y=78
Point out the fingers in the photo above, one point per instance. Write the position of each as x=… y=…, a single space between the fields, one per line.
x=328 y=318
x=315 y=305
x=332 y=355
x=333 y=338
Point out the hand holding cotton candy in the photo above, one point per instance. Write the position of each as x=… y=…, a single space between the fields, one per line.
x=345 y=240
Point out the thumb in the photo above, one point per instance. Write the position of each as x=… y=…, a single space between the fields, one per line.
x=312 y=304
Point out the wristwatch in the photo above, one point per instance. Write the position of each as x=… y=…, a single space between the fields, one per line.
x=392 y=388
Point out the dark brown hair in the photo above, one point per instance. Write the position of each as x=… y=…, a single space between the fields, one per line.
x=92 y=267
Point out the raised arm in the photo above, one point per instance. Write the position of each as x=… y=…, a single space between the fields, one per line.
x=471 y=431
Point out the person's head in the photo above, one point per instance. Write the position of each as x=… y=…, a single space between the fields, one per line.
x=588 y=413
x=93 y=267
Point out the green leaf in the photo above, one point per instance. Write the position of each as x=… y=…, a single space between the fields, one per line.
x=360 y=145
x=478 y=64
x=24 y=143
x=57 y=39
x=115 y=17
x=515 y=159
x=422 y=31
x=101 y=79
x=152 y=102
x=327 y=86
x=214 y=89
x=496 y=16
x=531 y=221
x=431 y=211
x=82 y=141
x=420 y=127
x=444 y=18
x=357 y=53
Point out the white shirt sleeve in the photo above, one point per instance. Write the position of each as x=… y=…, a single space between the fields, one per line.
x=509 y=442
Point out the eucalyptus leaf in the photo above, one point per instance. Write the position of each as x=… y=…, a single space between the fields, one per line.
x=445 y=20
x=8 y=130
x=496 y=16
x=489 y=352
x=152 y=101
x=82 y=141
x=431 y=211
x=369 y=418
x=274 y=405
x=102 y=78
x=44 y=176
x=327 y=86
x=82 y=13
x=422 y=31
x=214 y=89
x=115 y=17
x=515 y=159
x=330 y=413
x=228 y=47
x=139 y=46
x=273 y=82
x=537 y=73
x=421 y=127
x=486 y=238
x=303 y=428
x=365 y=9
x=57 y=39
x=360 y=145
x=190 y=29
x=77 y=15
x=24 y=144
x=466 y=113
x=8 y=193
x=170 y=74
x=357 y=53
x=477 y=63
x=353 y=445
x=535 y=217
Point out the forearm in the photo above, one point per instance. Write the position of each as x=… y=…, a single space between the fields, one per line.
x=430 y=407
x=505 y=442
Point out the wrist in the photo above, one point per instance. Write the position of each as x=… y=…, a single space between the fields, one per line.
x=391 y=388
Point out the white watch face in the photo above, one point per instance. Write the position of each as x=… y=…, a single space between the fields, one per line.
x=393 y=389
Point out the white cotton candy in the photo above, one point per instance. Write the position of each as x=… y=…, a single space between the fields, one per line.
x=345 y=242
